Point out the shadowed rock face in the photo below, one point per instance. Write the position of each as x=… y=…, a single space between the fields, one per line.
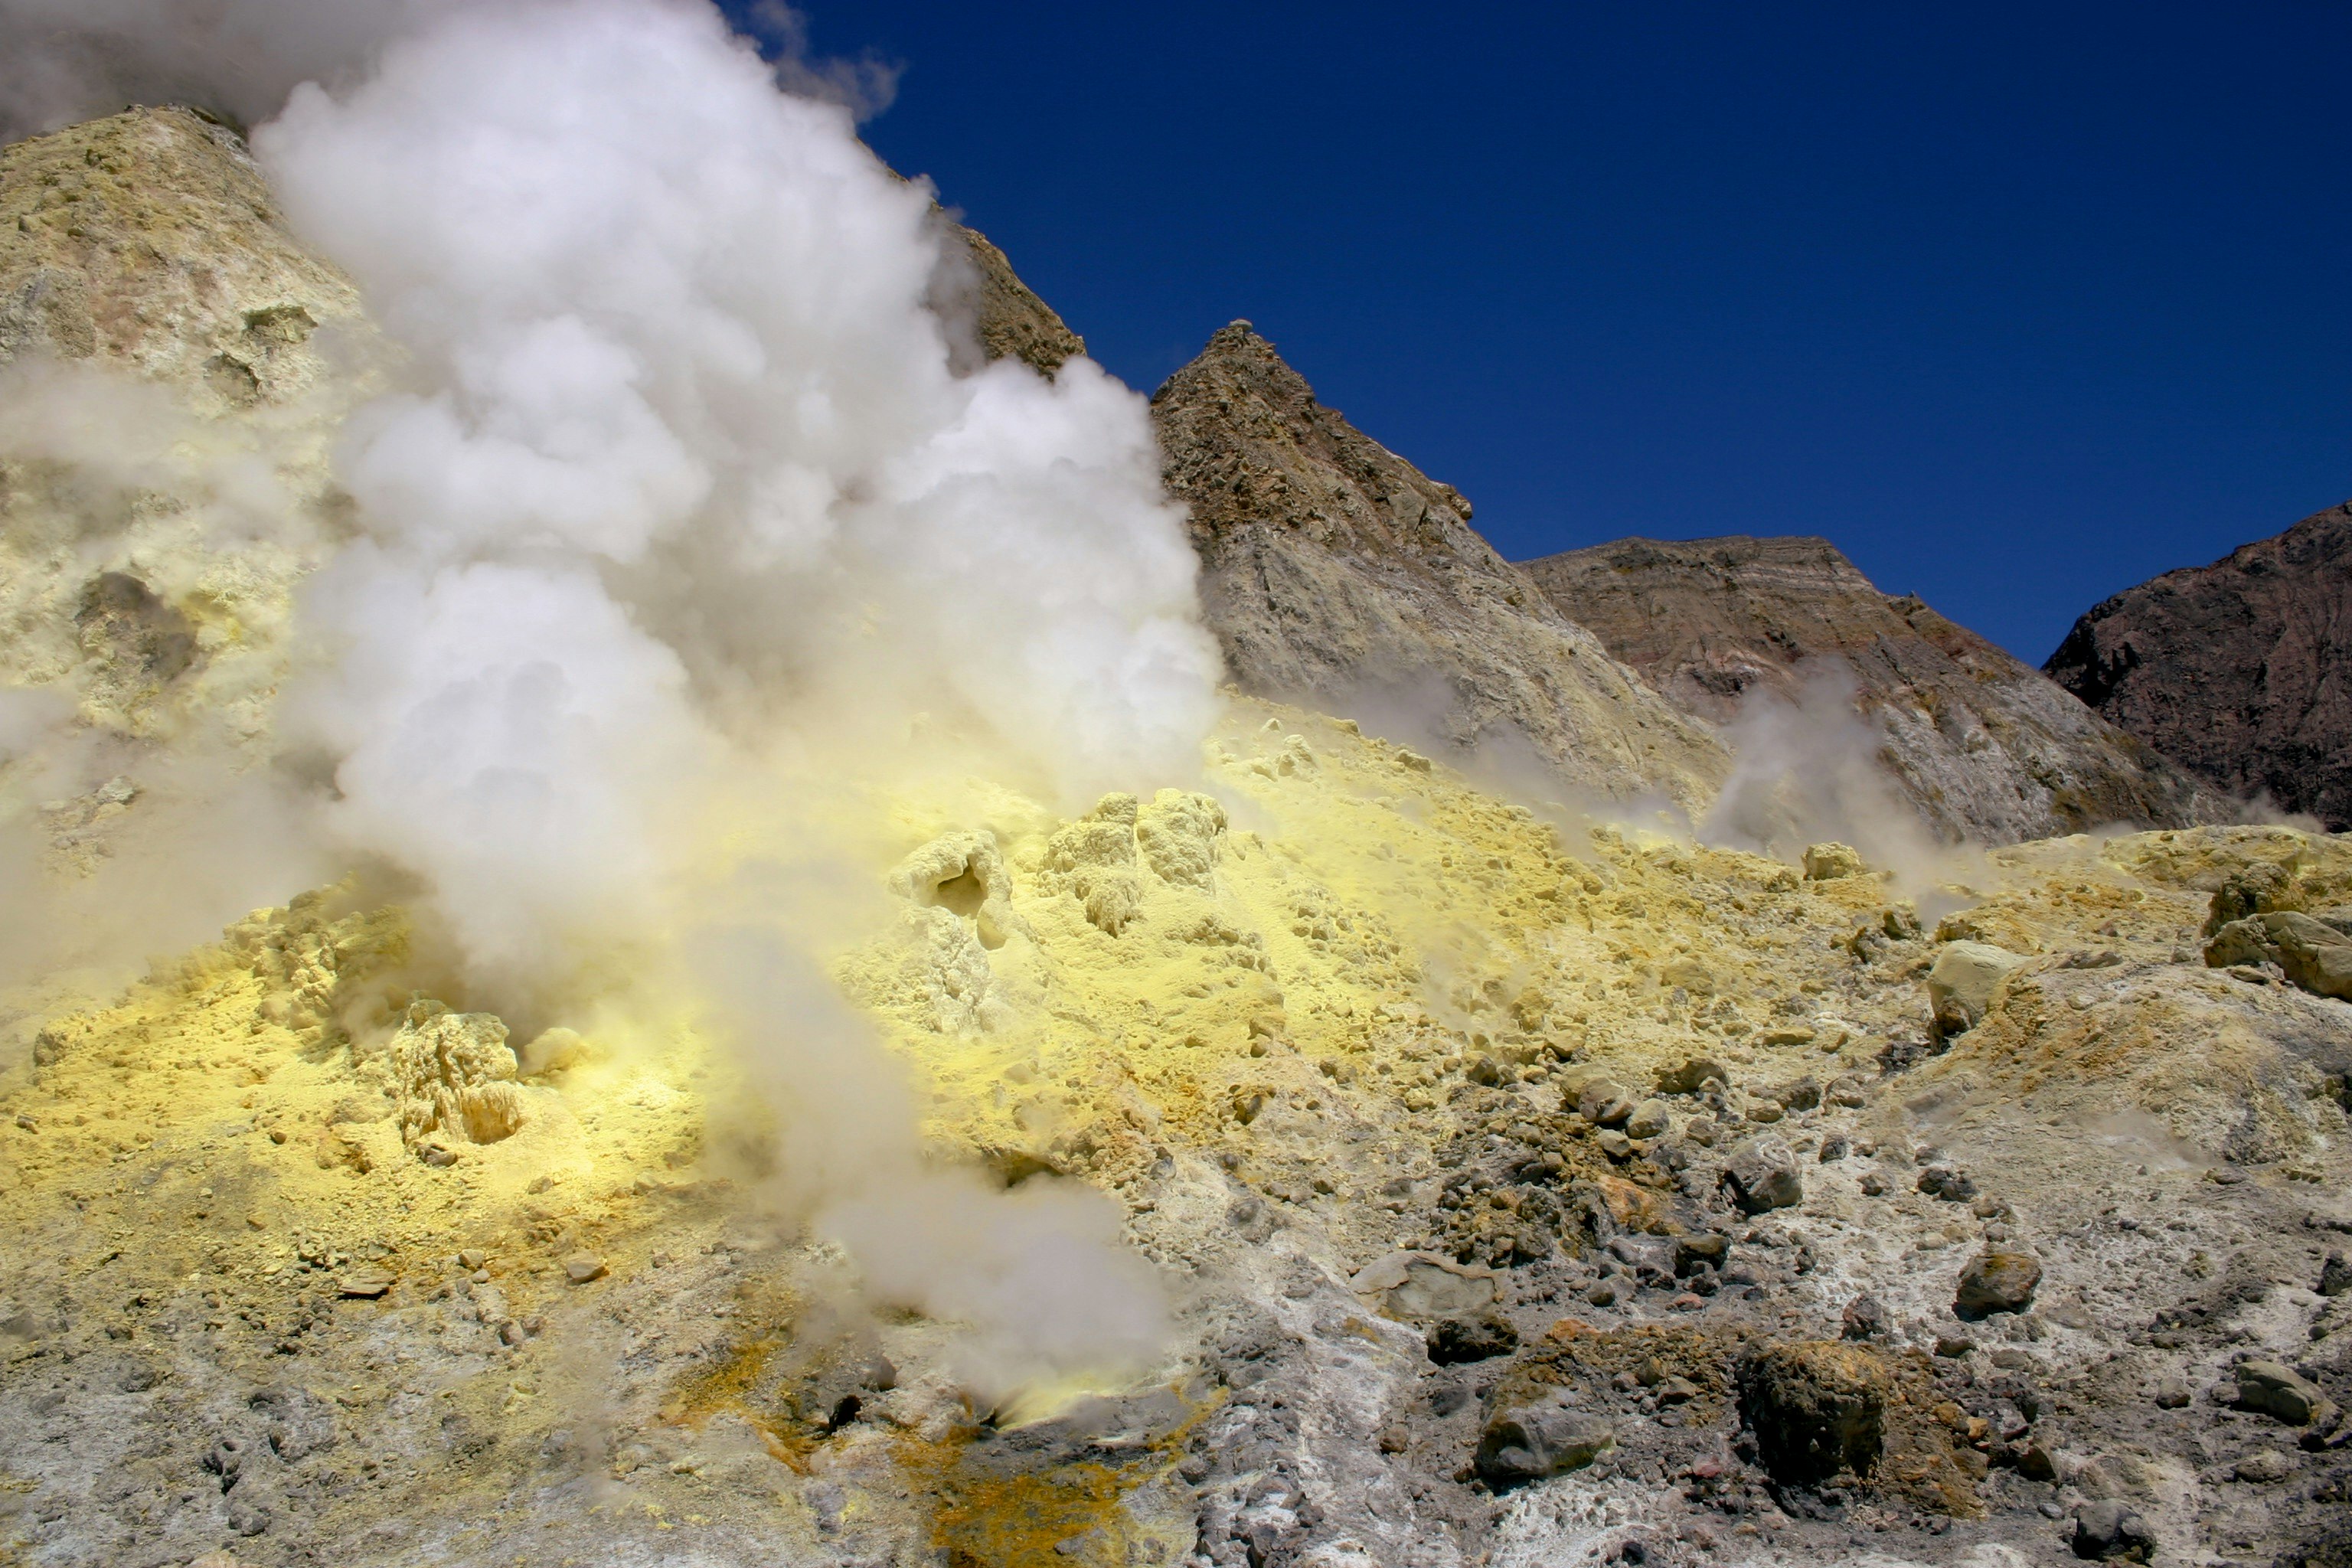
x=1333 y=569
x=1984 y=747
x=2241 y=671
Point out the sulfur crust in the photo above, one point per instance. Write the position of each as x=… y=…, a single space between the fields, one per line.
x=1370 y=924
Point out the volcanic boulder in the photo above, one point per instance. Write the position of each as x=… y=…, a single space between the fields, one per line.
x=1996 y=1282
x=2315 y=954
x=1763 y=1175
x=1818 y=1409
x=1543 y=1436
x=1964 y=982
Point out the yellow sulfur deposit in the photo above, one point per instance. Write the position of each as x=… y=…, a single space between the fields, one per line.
x=1272 y=1019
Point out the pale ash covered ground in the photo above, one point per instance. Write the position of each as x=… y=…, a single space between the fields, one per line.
x=1347 y=1007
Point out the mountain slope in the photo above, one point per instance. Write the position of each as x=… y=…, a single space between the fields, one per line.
x=1331 y=569
x=2241 y=670
x=1983 y=746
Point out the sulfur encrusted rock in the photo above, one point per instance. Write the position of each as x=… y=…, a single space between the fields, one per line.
x=454 y=1076
x=1965 y=981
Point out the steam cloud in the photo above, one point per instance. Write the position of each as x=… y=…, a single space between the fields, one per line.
x=1808 y=770
x=677 y=482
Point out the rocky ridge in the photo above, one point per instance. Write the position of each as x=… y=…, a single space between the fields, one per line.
x=1981 y=745
x=2238 y=670
x=1333 y=570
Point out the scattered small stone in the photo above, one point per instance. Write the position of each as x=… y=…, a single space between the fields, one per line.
x=582 y=1267
x=2334 y=1275
x=1692 y=1075
x=471 y=1258
x=2281 y=1390
x=1651 y=1118
x=1952 y=1347
x=1700 y=1249
x=1944 y=1182
x=1835 y=1147
x=1614 y=1145
x=2171 y=1393
x=2109 y=1531
x=1873 y=1185
x=2264 y=1467
x=1865 y=1318
x=366 y=1284
x=1605 y=1104
x=1480 y=1337
x=1996 y=1282
x=1677 y=1390
x=246 y=1517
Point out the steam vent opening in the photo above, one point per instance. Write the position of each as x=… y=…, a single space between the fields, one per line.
x=531 y=525
x=962 y=895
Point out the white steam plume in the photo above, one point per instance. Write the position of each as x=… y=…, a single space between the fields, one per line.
x=1809 y=770
x=677 y=474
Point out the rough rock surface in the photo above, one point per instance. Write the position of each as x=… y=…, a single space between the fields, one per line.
x=2240 y=671
x=1010 y=316
x=1324 y=1024
x=147 y=243
x=1983 y=745
x=1333 y=570
x=149 y=239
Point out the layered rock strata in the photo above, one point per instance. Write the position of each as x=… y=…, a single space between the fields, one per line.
x=1982 y=745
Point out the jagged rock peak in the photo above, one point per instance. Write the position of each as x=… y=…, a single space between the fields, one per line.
x=2238 y=670
x=1981 y=744
x=1012 y=319
x=1334 y=570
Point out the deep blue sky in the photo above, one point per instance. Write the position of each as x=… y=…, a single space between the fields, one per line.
x=2018 y=305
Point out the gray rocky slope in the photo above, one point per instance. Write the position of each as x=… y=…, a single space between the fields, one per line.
x=1983 y=746
x=1334 y=572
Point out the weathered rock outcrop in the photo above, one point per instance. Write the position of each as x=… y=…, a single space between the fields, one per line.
x=149 y=239
x=148 y=243
x=2240 y=671
x=1333 y=569
x=1981 y=744
x=1010 y=316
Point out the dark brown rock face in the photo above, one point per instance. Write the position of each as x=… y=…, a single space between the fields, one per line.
x=2240 y=671
x=1982 y=745
x=1334 y=571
